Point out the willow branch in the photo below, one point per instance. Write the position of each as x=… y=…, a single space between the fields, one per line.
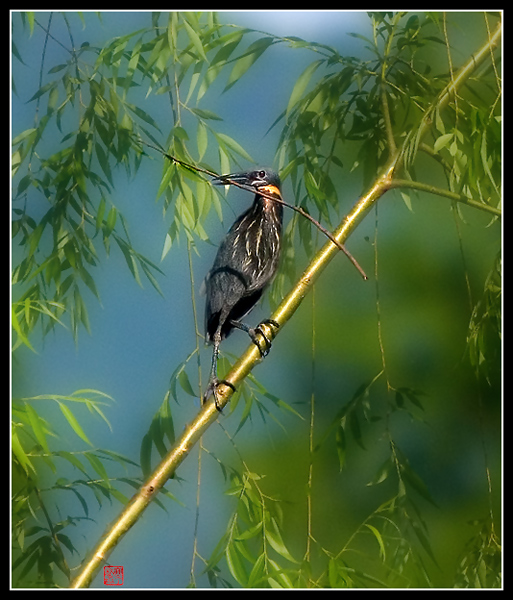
x=432 y=189
x=392 y=148
x=209 y=413
x=449 y=92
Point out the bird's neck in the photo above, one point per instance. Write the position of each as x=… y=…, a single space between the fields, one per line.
x=268 y=207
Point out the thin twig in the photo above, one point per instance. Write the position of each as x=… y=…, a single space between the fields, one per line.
x=431 y=189
x=249 y=188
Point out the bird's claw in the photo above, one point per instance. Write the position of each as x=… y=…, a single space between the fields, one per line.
x=212 y=391
x=258 y=328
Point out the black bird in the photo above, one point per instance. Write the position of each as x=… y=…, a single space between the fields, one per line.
x=246 y=262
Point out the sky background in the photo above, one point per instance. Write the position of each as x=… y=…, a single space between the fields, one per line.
x=138 y=337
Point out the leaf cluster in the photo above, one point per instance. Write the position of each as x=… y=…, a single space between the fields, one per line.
x=485 y=327
x=252 y=546
x=389 y=548
x=481 y=561
x=42 y=538
x=366 y=108
x=61 y=199
x=397 y=525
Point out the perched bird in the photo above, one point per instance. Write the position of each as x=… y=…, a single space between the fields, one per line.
x=246 y=262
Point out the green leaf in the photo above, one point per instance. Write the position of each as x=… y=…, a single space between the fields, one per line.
x=72 y=421
x=383 y=472
x=104 y=162
x=168 y=242
x=219 y=61
x=250 y=56
x=89 y=281
x=185 y=383
x=486 y=162
x=354 y=424
x=250 y=533
x=128 y=253
x=224 y=160
x=442 y=141
x=195 y=40
x=206 y=114
x=412 y=396
x=407 y=200
x=145 y=454
x=110 y=222
x=38 y=427
x=151 y=278
x=80 y=498
x=257 y=572
x=169 y=170
x=31 y=20
x=97 y=465
x=421 y=536
x=340 y=440
x=301 y=83
x=52 y=99
x=279 y=579
x=233 y=145
x=333 y=574
x=166 y=419
x=273 y=536
x=100 y=214
x=23 y=135
x=415 y=482
x=57 y=68
x=72 y=459
x=20 y=454
x=143 y=115
x=43 y=89
x=22 y=338
x=201 y=140
x=235 y=564
x=35 y=237
x=379 y=539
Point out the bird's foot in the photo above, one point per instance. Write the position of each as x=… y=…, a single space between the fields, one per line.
x=212 y=391
x=258 y=329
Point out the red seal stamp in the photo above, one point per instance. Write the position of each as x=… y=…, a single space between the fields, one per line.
x=112 y=575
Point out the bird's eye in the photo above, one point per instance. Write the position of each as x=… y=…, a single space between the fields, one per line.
x=261 y=174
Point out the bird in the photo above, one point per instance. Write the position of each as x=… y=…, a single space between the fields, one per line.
x=245 y=264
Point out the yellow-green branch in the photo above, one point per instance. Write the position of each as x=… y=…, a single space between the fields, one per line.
x=432 y=189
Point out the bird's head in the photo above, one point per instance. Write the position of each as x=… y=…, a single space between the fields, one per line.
x=264 y=180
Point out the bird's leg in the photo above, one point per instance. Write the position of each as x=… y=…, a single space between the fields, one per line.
x=213 y=381
x=253 y=331
x=252 y=334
